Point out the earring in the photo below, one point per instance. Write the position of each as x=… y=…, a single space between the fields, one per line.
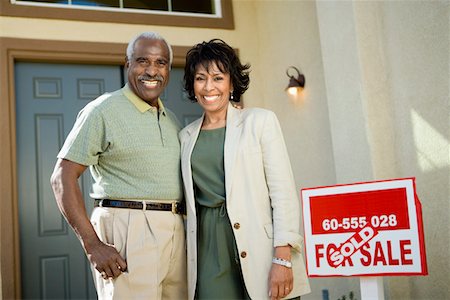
x=231 y=96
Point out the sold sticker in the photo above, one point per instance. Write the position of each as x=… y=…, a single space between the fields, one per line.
x=372 y=228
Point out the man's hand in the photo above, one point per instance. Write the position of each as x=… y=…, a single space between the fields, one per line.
x=106 y=260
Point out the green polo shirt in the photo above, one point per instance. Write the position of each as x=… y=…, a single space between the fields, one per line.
x=132 y=152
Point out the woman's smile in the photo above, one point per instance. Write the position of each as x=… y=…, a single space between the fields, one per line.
x=211 y=98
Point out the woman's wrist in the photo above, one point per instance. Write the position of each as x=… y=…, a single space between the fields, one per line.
x=282 y=262
x=283 y=252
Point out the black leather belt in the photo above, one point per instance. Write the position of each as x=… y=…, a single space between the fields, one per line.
x=175 y=207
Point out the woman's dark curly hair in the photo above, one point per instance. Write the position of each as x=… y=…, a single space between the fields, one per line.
x=219 y=52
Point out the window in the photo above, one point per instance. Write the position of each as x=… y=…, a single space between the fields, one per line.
x=198 y=13
x=198 y=6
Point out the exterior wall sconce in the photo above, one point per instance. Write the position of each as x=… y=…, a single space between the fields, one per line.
x=296 y=84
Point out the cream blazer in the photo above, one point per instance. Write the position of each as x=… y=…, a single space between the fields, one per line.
x=261 y=198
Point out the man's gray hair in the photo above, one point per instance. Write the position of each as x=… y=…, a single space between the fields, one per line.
x=148 y=35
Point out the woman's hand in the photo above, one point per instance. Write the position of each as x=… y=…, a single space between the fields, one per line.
x=281 y=281
x=281 y=278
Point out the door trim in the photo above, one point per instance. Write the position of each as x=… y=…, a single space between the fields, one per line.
x=50 y=51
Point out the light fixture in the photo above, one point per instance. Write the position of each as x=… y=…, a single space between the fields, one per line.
x=296 y=84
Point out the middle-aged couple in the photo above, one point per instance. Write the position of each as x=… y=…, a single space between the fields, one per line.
x=240 y=200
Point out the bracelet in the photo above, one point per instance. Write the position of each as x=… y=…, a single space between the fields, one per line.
x=282 y=262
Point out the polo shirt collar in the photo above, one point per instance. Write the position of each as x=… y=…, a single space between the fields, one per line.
x=140 y=104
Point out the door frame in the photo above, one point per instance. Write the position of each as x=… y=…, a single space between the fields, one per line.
x=32 y=50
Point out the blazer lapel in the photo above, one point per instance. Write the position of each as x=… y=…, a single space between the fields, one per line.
x=193 y=131
x=232 y=137
x=188 y=146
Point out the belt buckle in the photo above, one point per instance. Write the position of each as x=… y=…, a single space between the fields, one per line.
x=174 y=207
x=144 y=205
x=100 y=203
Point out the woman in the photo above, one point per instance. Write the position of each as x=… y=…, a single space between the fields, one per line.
x=242 y=208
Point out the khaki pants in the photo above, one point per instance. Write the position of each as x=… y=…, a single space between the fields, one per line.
x=153 y=245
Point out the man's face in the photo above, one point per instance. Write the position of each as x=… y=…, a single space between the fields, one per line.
x=148 y=69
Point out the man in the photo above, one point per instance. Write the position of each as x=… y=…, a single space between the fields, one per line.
x=135 y=238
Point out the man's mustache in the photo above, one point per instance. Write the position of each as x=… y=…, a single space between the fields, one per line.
x=151 y=78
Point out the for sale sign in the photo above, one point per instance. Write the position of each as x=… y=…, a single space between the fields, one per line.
x=372 y=228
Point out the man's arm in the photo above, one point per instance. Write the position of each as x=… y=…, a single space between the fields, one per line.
x=64 y=181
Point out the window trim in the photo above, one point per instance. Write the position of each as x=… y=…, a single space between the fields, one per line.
x=225 y=21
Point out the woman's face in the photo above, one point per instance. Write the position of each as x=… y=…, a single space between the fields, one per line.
x=212 y=89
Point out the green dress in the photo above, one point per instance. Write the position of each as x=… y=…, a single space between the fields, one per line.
x=219 y=274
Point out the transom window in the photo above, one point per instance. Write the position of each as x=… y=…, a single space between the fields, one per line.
x=197 y=6
x=183 y=13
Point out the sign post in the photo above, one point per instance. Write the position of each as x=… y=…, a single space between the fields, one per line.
x=371 y=288
x=369 y=229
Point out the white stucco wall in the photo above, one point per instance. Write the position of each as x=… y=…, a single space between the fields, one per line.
x=387 y=76
x=288 y=36
x=376 y=102
x=417 y=49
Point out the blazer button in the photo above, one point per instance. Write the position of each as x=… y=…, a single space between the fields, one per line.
x=243 y=254
x=237 y=225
